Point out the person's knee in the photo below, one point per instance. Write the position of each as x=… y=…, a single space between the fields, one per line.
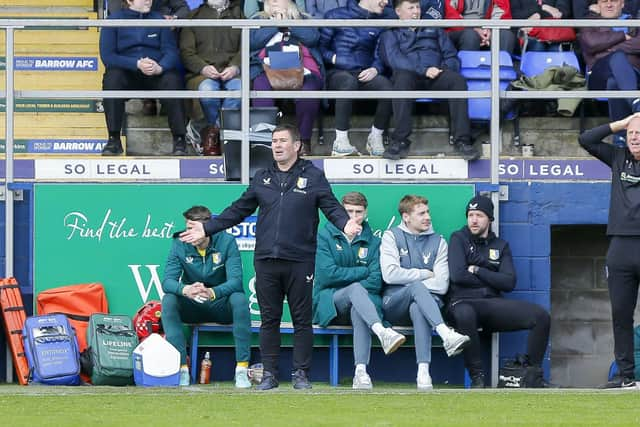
x=239 y=303
x=462 y=314
x=171 y=80
x=457 y=81
x=469 y=39
x=170 y=305
x=618 y=59
x=114 y=79
x=403 y=80
x=356 y=289
x=209 y=84
x=383 y=83
x=542 y=317
x=612 y=84
x=343 y=80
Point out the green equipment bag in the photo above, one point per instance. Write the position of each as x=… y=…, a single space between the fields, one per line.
x=111 y=339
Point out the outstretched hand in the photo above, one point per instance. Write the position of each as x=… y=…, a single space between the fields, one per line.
x=193 y=233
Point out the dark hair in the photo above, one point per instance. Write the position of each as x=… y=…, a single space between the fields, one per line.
x=293 y=131
x=355 y=198
x=197 y=213
x=397 y=3
x=410 y=201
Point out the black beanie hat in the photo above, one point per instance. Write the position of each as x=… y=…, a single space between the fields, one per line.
x=481 y=203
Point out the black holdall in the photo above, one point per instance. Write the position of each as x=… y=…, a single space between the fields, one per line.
x=519 y=373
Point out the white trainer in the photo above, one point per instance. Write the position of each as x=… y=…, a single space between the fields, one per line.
x=342 y=147
x=391 y=340
x=362 y=381
x=241 y=378
x=193 y=138
x=423 y=380
x=375 y=147
x=185 y=379
x=454 y=343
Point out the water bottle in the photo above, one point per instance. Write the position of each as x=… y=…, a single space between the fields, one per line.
x=205 y=369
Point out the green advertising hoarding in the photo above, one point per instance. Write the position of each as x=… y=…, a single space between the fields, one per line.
x=120 y=234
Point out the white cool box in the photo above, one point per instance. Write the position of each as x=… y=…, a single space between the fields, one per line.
x=156 y=363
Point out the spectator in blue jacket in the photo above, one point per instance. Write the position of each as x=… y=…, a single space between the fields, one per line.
x=347 y=287
x=423 y=58
x=302 y=39
x=169 y=9
x=140 y=58
x=353 y=63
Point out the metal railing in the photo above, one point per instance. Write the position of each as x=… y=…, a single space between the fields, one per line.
x=495 y=94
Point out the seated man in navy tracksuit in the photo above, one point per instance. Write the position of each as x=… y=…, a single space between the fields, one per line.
x=481 y=269
x=423 y=59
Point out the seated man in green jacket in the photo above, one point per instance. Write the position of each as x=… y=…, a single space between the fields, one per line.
x=347 y=286
x=203 y=283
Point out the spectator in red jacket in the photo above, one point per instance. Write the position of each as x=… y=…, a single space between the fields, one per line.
x=479 y=38
x=612 y=55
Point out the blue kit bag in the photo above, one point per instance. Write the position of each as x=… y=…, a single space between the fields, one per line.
x=52 y=350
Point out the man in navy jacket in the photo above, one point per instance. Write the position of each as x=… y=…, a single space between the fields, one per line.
x=423 y=58
x=352 y=60
x=140 y=58
x=289 y=194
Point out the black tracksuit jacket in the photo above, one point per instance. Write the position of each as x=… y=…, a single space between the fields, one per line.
x=624 y=205
x=288 y=217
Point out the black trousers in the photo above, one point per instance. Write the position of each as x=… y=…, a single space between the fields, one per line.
x=623 y=276
x=275 y=279
x=468 y=39
x=121 y=79
x=348 y=80
x=500 y=315
x=403 y=108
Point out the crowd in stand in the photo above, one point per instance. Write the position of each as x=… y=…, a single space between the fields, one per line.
x=345 y=59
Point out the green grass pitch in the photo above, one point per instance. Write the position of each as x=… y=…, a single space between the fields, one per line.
x=387 y=405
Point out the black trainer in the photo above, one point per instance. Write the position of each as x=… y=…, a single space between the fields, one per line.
x=396 y=150
x=113 y=147
x=179 y=146
x=268 y=382
x=477 y=381
x=620 y=382
x=469 y=152
x=300 y=380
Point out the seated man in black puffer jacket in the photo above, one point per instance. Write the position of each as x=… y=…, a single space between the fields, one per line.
x=480 y=269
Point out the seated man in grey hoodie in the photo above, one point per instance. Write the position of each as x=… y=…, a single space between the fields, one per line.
x=413 y=260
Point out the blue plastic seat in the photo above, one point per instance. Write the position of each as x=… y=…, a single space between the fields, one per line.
x=534 y=63
x=476 y=64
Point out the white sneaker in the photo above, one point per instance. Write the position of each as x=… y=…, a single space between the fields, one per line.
x=242 y=379
x=362 y=381
x=454 y=343
x=185 y=380
x=343 y=147
x=391 y=340
x=375 y=146
x=423 y=380
x=193 y=138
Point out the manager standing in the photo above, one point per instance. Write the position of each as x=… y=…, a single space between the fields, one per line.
x=289 y=194
x=623 y=229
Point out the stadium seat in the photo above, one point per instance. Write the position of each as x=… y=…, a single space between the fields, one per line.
x=534 y=63
x=261 y=122
x=475 y=66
